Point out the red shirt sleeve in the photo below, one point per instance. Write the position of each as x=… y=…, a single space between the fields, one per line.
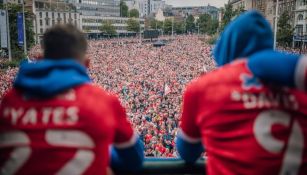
x=189 y=113
x=301 y=74
x=124 y=134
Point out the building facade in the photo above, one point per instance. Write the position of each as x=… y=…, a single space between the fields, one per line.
x=92 y=24
x=50 y=13
x=146 y=7
x=300 y=23
x=97 y=7
x=196 y=11
x=244 y=4
x=288 y=6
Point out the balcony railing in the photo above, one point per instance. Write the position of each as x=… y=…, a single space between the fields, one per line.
x=173 y=166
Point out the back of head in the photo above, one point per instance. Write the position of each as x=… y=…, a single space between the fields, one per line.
x=64 y=42
x=246 y=35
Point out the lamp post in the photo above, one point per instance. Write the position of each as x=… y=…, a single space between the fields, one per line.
x=24 y=29
x=172 y=28
x=8 y=31
x=275 y=25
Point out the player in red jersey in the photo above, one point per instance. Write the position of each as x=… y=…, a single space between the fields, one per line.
x=245 y=126
x=55 y=121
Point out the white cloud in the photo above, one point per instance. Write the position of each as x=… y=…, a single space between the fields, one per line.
x=217 y=3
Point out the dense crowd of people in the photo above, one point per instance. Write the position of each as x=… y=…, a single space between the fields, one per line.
x=149 y=81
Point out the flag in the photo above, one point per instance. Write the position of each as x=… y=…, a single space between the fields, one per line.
x=20 y=34
x=167 y=89
x=205 y=69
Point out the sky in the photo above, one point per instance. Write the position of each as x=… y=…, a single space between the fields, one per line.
x=176 y=3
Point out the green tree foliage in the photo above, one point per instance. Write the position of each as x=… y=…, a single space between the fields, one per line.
x=207 y=25
x=134 y=13
x=238 y=11
x=133 y=25
x=168 y=26
x=108 y=28
x=190 y=23
x=154 y=24
x=179 y=27
x=285 y=30
x=229 y=14
x=123 y=9
x=17 y=51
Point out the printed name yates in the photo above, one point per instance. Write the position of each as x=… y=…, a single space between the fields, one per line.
x=265 y=100
x=45 y=116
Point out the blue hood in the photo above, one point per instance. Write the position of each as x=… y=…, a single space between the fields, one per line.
x=246 y=35
x=48 y=78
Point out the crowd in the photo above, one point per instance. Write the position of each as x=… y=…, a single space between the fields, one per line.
x=293 y=50
x=149 y=81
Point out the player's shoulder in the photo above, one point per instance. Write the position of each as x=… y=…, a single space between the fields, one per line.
x=91 y=92
x=11 y=96
x=223 y=75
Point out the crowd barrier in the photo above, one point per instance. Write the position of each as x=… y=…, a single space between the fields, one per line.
x=168 y=166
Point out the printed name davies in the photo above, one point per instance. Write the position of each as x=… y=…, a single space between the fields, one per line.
x=265 y=100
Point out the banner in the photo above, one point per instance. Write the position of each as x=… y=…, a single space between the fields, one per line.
x=3 y=29
x=20 y=33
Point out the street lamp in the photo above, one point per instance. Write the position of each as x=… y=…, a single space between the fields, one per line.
x=275 y=26
x=24 y=29
x=8 y=31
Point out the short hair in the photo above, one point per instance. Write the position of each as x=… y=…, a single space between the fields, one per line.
x=64 y=42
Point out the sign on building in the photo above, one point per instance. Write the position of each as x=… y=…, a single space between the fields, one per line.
x=3 y=29
x=20 y=34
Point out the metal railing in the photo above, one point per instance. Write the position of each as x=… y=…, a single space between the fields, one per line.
x=168 y=166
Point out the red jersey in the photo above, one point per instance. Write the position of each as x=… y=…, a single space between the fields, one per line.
x=68 y=134
x=301 y=74
x=246 y=127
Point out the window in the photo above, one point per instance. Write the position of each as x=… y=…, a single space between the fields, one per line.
x=300 y=17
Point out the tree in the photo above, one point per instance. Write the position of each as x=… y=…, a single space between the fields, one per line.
x=285 y=30
x=17 y=51
x=134 y=13
x=123 y=9
x=207 y=25
x=133 y=25
x=108 y=28
x=155 y=24
x=168 y=26
x=190 y=23
x=179 y=27
x=204 y=22
x=229 y=14
x=213 y=27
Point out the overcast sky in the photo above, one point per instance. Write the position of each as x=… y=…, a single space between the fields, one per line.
x=217 y=3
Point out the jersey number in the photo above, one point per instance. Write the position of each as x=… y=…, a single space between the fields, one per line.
x=292 y=159
x=72 y=139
